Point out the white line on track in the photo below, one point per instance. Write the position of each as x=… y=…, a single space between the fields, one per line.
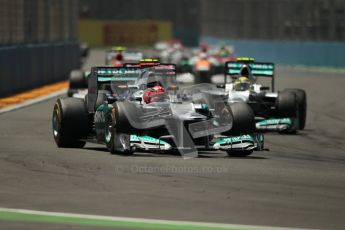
x=141 y=220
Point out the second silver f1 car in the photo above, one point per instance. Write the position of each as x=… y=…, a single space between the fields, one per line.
x=283 y=111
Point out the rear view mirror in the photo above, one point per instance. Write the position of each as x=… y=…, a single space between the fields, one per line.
x=264 y=88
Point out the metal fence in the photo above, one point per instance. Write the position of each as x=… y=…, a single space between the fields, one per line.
x=291 y=20
x=331 y=54
x=38 y=21
x=38 y=43
x=295 y=32
x=25 y=67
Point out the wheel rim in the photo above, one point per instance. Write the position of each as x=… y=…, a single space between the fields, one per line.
x=108 y=133
x=108 y=129
x=56 y=123
x=226 y=117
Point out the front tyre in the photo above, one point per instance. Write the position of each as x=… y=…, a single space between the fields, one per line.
x=287 y=104
x=239 y=153
x=111 y=128
x=287 y=107
x=76 y=81
x=110 y=132
x=243 y=119
x=301 y=98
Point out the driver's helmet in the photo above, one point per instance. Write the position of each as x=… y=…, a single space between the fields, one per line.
x=119 y=56
x=117 y=60
x=153 y=94
x=242 y=84
x=203 y=47
x=223 y=51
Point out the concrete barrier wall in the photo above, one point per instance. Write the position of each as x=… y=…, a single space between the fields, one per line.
x=24 y=67
x=330 y=54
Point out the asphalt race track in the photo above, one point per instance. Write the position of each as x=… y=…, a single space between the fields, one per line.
x=300 y=182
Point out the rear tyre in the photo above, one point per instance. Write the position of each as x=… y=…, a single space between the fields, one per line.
x=197 y=79
x=301 y=98
x=202 y=77
x=84 y=50
x=70 y=123
x=239 y=153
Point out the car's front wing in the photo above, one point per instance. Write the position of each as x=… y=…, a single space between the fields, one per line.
x=224 y=143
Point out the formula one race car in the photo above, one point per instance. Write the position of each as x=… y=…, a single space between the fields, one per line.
x=116 y=56
x=77 y=82
x=78 y=79
x=283 y=111
x=206 y=62
x=131 y=108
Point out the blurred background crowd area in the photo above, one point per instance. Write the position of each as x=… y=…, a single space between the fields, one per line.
x=37 y=21
x=43 y=37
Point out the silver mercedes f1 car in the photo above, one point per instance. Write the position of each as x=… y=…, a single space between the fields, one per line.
x=283 y=111
x=133 y=108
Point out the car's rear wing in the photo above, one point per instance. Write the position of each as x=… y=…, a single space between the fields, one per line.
x=164 y=68
x=259 y=69
x=106 y=74
x=256 y=69
x=128 y=73
x=149 y=62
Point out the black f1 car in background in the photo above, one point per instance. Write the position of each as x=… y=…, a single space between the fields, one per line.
x=84 y=52
x=114 y=113
x=283 y=111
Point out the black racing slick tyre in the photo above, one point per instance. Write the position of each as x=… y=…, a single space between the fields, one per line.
x=239 y=153
x=243 y=119
x=70 y=123
x=70 y=92
x=84 y=50
x=286 y=104
x=202 y=77
x=243 y=123
x=301 y=98
x=77 y=80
